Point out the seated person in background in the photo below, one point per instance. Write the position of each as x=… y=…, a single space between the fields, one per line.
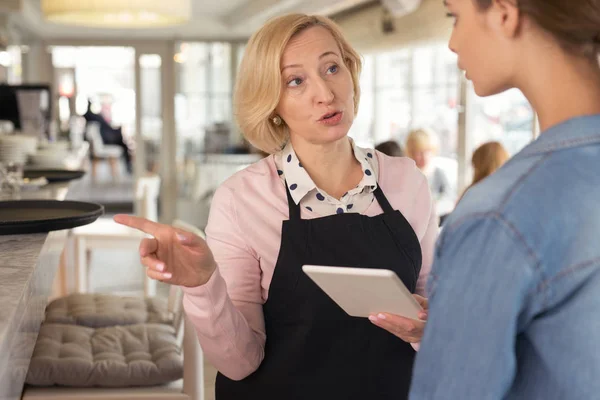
x=390 y=148
x=421 y=147
x=109 y=134
x=486 y=159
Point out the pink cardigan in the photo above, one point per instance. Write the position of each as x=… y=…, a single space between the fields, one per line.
x=244 y=234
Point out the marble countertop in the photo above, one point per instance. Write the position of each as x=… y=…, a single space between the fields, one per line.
x=28 y=264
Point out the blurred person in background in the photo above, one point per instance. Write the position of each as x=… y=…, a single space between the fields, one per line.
x=390 y=148
x=486 y=159
x=109 y=134
x=421 y=146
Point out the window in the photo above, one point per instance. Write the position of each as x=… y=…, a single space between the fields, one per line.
x=221 y=84
x=104 y=75
x=506 y=117
x=204 y=90
x=393 y=113
x=417 y=88
x=361 y=130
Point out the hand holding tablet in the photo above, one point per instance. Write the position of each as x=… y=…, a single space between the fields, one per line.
x=362 y=292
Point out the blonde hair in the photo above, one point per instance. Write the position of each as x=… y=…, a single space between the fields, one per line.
x=486 y=159
x=258 y=87
x=420 y=140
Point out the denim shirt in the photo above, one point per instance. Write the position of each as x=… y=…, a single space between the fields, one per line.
x=515 y=285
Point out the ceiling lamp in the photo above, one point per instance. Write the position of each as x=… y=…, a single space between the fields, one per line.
x=117 y=13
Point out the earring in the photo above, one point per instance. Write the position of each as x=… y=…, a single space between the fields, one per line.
x=276 y=120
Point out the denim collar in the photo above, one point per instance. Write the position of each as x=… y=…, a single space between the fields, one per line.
x=575 y=132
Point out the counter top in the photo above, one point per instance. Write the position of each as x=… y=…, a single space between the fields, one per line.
x=28 y=264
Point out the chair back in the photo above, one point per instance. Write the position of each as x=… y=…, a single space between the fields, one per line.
x=92 y=133
x=77 y=130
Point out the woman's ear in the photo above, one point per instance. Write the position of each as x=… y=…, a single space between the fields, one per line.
x=504 y=17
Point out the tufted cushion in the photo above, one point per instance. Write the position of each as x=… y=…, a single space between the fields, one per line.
x=119 y=356
x=101 y=310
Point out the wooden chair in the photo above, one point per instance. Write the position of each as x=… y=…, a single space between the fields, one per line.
x=103 y=152
x=191 y=387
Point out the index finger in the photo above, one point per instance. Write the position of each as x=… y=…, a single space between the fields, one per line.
x=141 y=224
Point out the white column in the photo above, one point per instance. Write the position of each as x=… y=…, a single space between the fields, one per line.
x=169 y=192
x=375 y=126
x=37 y=64
x=139 y=167
x=235 y=136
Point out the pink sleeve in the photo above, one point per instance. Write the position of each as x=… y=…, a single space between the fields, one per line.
x=227 y=310
x=426 y=210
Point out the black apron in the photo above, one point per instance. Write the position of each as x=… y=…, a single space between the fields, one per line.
x=314 y=350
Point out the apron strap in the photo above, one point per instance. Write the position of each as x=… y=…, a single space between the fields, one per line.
x=293 y=207
x=382 y=200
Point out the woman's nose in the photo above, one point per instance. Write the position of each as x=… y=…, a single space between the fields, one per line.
x=323 y=92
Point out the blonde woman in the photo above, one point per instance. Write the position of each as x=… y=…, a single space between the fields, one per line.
x=317 y=199
x=421 y=146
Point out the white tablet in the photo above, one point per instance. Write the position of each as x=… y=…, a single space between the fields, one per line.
x=363 y=291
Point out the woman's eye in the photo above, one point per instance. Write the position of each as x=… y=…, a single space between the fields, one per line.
x=294 y=82
x=333 y=69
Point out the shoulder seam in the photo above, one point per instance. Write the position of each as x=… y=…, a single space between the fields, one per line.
x=520 y=181
x=535 y=260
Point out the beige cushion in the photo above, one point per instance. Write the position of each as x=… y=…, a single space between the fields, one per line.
x=119 y=356
x=101 y=310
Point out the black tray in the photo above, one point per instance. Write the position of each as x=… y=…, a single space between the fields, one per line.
x=36 y=216
x=53 y=175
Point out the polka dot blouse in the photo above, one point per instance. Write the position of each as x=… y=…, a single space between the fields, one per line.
x=309 y=196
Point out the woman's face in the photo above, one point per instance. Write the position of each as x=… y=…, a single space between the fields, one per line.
x=482 y=41
x=422 y=158
x=317 y=97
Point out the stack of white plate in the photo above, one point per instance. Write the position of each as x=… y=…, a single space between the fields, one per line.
x=49 y=158
x=16 y=148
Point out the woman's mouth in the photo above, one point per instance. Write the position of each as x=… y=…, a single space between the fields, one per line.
x=331 y=118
